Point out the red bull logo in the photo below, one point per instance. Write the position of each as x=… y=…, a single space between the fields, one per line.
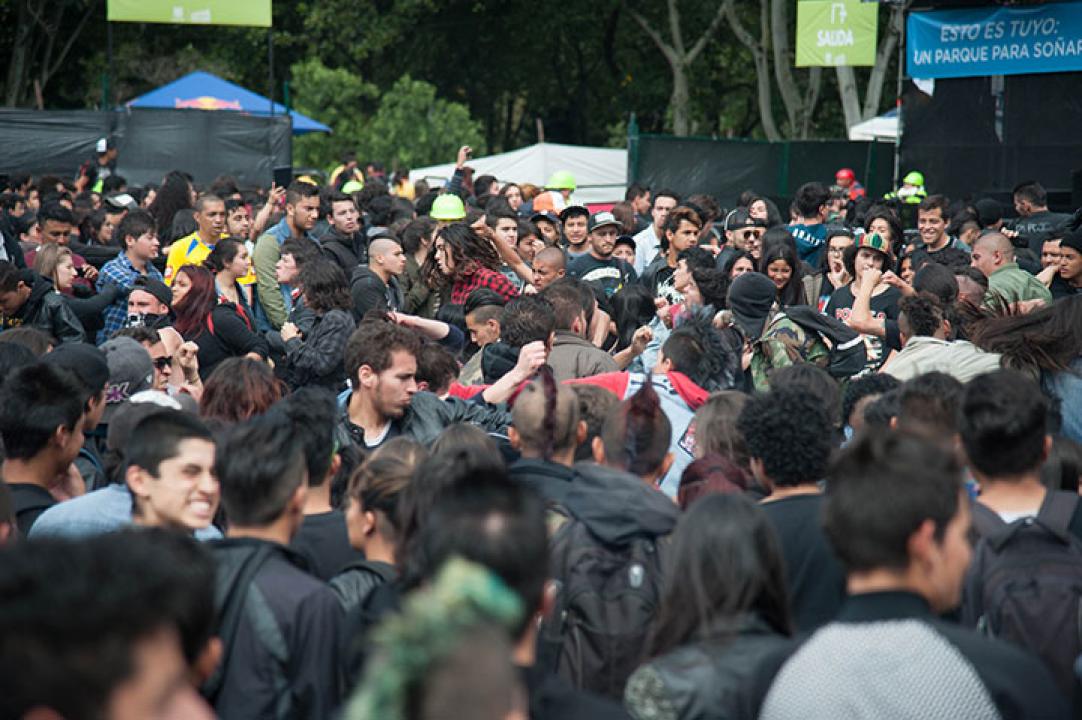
x=205 y=102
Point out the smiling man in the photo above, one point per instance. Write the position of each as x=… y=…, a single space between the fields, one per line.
x=598 y=266
x=171 y=473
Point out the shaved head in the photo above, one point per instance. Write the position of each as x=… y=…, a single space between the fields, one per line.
x=529 y=421
x=552 y=256
x=996 y=242
x=382 y=247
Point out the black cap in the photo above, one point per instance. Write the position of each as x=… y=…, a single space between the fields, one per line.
x=547 y=215
x=1072 y=240
x=156 y=288
x=989 y=212
x=85 y=361
x=751 y=296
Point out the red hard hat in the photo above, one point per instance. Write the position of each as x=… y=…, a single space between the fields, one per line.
x=845 y=173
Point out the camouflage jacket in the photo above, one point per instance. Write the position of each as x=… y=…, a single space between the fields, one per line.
x=784 y=343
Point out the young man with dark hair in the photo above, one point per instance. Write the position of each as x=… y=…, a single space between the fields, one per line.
x=115 y=627
x=638 y=196
x=680 y=232
x=526 y=319
x=932 y=221
x=927 y=344
x=495 y=522
x=648 y=241
x=598 y=266
x=789 y=436
x=575 y=219
x=898 y=518
x=323 y=538
x=41 y=425
x=344 y=243
x=193 y=249
x=1035 y=222
x=572 y=355
x=483 y=310
x=139 y=238
x=381 y=363
x=809 y=226
x=302 y=211
x=170 y=473
x=28 y=299
x=282 y=650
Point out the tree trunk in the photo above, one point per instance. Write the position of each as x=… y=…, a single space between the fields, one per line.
x=17 y=66
x=783 y=61
x=679 y=101
x=758 y=49
x=882 y=61
x=849 y=94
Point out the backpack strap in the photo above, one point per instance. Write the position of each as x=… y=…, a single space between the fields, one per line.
x=1056 y=513
x=989 y=525
x=231 y=611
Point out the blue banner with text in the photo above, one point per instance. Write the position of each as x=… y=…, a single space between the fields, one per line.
x=995 y=41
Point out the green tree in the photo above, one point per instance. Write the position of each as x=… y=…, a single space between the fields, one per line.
x=335 y=97
x=413 y=128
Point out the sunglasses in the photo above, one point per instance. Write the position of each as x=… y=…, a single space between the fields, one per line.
x=163 y=362
x=749 y=234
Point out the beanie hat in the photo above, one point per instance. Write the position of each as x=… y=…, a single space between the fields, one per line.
x=87 y=362
x=751 y=296
x=1072 y=240
x=130 y=371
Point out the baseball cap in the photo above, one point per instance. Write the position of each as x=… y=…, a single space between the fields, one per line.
x=574 y=210
x=989 y=212
x=130 y=371
x=121 y=201
x=875 y=241
x=602 y=219
x=155 y=287
x=741 y=218
x=87 y=362
x=130 y=413
x=751 y=296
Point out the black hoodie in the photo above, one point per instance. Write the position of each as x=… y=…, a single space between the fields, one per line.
x=371 y=293
x=617 y=506
x=45 y=310
x=345 y=252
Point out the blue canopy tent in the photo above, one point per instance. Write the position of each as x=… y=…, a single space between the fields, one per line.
x=203 y=91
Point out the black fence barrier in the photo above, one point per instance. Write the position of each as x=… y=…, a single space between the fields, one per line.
x=150 y=143
x=981 y=136
x=726 y=168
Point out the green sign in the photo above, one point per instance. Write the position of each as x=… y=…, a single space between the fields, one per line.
x=835 y=32
x=192 y=12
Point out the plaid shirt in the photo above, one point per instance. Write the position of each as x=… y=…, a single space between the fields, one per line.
x=119 y=271
x=482 y=278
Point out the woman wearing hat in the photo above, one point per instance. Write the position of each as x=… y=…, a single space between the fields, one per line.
x=865 y=261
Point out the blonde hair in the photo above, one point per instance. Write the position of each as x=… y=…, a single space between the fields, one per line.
x=48 y=259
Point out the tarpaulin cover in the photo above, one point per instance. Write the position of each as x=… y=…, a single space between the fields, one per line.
x=203 y=91
x=600 y=173
x=150 y=143
x=951 y=136
x=726 y=168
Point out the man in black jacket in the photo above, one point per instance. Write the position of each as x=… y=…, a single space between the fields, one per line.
x=375 y=286
x=280 y=627
x=344 y=244
x=26 y=298
x=898 y=516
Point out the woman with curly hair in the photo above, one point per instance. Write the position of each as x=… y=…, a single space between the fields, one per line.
x=316 y=357
x=217 y=326
x=470 y=261
x=237 y=390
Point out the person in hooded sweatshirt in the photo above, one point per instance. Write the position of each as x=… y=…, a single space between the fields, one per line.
x=375 y=286
x=27 y=299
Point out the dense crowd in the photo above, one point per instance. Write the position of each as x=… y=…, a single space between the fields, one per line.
x=373 y=450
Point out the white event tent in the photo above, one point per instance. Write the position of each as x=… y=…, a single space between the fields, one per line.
x=600 y=173
x=883 y=127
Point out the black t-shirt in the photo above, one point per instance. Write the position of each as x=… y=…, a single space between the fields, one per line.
x=884 y=307
x=610 y=275
x=30 y=501
x=1038 y=227
x=323 y=540
x=1060 y=288
x=815 y=577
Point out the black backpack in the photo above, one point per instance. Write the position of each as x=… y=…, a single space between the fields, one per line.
x=1025 y=583
x=606 y=602
x=848 y=354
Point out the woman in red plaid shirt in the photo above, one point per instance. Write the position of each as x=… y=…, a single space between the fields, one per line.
x=470 y=261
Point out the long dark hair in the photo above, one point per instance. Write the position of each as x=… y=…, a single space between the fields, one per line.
x=468 y=249
x=224 y=252
x=793 y=292
x=174 y=195
x=725 y=562
x=325 y=286
x=1046 y=339
x=192 y=310
x=632 y=307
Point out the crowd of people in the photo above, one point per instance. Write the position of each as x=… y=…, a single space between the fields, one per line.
x=378 y=450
